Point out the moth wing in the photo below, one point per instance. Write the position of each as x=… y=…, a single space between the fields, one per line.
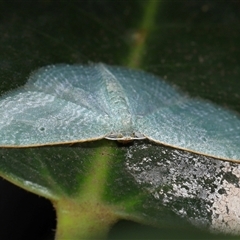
x=196 y=126
x=31 y=118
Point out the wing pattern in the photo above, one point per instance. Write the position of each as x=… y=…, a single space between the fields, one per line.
x=76 y=103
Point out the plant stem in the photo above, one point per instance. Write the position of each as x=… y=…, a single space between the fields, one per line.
x=83 y=220
x=142 y=33
x=87 y=215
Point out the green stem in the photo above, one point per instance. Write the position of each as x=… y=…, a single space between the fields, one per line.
x=95 y=180
x=142 y=33
x=83 y=220
x=87 y=216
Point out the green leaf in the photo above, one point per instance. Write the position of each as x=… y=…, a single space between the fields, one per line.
x=192 y=44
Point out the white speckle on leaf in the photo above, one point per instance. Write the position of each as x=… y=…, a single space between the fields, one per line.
x=202 y=190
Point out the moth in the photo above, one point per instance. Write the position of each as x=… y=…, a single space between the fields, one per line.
x=77 y=103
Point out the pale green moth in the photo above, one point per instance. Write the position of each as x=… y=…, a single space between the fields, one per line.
x=77 y=103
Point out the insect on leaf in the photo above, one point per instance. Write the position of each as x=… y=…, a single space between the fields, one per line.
x=77 y=103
